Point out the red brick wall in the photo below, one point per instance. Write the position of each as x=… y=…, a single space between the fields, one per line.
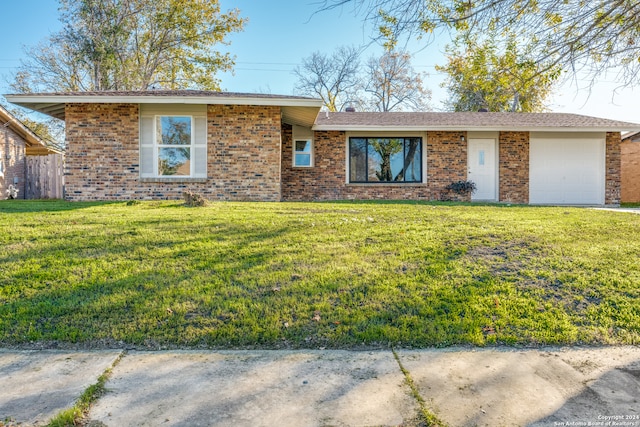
x=102 y=160
x=514 y=167
x=630 y=172
x=102 y=155
x=12 y=154
x=447 y=162
x=244 y=152
x=326 y=179
x=612 y=182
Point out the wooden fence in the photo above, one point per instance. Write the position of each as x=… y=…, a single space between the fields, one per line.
x=45 y=177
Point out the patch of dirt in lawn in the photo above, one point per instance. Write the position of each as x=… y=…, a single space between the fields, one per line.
x=519 y=262
x=505 y=257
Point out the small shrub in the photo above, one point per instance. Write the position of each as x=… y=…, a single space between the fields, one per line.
x=193 y=199
x=462 y=189
x=133 y=202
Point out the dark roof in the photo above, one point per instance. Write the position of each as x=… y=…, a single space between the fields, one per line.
x=466 y=121
x=161 y=93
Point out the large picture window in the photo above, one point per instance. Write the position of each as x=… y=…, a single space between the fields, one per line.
x=385 y=160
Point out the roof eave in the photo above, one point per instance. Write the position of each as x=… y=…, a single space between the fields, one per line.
x=382 y=128
x=40 y=150
x=21 y=129
x=54 y=105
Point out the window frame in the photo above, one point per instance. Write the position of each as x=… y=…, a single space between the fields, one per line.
x=309 y=153
x=157 y=144
x=150 y=142
x=370 y=137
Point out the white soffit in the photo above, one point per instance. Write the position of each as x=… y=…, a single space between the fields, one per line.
x=54 y=104
x=301 y=116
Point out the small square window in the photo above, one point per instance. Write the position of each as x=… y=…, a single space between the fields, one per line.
x=303 y=153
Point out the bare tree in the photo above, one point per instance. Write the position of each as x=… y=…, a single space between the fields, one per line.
x=595 y=35
x=386 y=83
x=333 y=78
x=394 y=85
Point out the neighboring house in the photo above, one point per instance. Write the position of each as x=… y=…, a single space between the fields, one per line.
x=230 y=146
x=630 y=168
x=18 y=144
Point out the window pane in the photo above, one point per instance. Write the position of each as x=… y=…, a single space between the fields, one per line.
x=412 y=162
x=174 y=130
x=374 y=161
x=357 y=160
x=303 y=160
x=174 y=161
x=383 y=158
x=397 y=159
x=303 y=146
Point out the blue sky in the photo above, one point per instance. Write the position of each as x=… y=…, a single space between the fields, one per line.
x=282 y=32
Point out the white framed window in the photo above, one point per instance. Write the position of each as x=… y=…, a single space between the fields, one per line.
x=1 y=165
x=303 y=153
x=302 y=147
x=173 y=141
x=174 y=145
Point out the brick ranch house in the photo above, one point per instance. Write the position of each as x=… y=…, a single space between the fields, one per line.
x=17 y=144
x=232 y=146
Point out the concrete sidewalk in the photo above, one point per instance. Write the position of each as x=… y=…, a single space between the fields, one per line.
x=462 y=387
x=626 y=210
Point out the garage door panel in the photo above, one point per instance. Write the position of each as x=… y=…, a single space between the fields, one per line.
x=567 y=169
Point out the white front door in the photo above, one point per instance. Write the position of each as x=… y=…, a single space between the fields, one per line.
x=482 y=168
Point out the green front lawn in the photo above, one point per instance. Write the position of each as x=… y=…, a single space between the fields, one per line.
x=309 y=275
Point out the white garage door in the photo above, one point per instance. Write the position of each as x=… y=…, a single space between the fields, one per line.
x=567 y=168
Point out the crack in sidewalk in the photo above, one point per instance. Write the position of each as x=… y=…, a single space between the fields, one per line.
x=77 y=415
x=428 y=417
